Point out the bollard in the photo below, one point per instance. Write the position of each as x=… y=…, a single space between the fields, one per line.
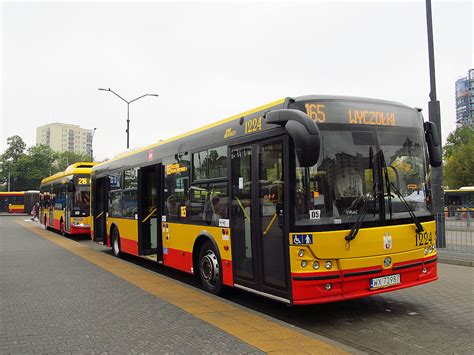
x=468 y=218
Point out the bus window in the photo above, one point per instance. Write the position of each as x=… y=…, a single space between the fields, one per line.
x=115 y=195
x=176 y=187
x=208 y=203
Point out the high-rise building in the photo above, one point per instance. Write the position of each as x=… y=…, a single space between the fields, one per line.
x=62 y=137
x=465 y=100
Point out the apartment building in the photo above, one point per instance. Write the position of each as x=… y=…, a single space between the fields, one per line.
x=63 y=137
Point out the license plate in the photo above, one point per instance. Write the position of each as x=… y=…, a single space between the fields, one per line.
x=384 y=281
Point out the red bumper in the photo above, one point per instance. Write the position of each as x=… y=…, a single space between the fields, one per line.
x=350 y=284
x=80 y=230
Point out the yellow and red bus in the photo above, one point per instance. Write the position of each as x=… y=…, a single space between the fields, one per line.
x=65 y=200
x=18 y=201
x=304 y=200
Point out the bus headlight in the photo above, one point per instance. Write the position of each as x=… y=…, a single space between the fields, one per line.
x=315 y=265
x=304 y=263
x=300 y=253
x=426 y=251
x=328 y=265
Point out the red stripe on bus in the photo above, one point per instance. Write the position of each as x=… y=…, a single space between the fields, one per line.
x=128 y=246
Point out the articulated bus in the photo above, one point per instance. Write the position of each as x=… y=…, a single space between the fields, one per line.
x=65 y=200
x=305 y=200
x=18 y=201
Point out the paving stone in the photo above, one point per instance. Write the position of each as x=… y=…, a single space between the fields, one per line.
x=52 y=301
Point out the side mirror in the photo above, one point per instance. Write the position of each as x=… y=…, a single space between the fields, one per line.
x=70 y=186
x=434 y=146
x=303 y=130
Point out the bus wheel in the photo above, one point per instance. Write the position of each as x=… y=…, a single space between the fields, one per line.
x=116 y=243
x=210 y=268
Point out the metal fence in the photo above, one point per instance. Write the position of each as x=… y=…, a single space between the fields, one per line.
x=458 y=225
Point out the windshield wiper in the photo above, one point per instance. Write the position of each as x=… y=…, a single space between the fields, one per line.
x=363 y=211
x=355 y=228
x=388 y=184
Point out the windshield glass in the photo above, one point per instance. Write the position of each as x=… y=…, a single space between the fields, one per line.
x=81 y=197
x=333 y=191
x=404 y=158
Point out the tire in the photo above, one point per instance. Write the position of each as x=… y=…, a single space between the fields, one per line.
x=210 y=268
x=116 y=243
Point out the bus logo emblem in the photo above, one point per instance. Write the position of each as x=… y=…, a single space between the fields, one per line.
x=229 y=133
x=387 y=241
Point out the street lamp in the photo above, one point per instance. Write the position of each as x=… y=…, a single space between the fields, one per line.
x=128 y=109
x=435 y=116
x=92 y=140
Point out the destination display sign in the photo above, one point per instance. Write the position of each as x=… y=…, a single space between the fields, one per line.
x=358 y=112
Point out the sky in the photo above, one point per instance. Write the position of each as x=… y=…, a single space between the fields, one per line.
x=211 y=60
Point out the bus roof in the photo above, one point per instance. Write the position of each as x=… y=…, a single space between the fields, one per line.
x=215 y=132
x=461 y=189
x=76 y=168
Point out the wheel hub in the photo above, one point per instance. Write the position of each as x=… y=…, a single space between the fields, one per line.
x=116 y=246
x=210 y=268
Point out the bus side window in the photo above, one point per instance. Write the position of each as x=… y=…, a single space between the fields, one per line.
x=176 y=187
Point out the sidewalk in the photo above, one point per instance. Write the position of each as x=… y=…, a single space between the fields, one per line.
x=59 y=296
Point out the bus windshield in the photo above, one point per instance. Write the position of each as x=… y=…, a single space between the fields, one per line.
x=81 y=199
x=333 y=191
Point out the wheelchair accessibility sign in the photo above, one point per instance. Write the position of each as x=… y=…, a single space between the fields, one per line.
x=300 y=239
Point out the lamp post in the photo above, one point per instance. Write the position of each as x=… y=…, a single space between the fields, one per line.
x=128 y=109
x=92 y=141
x=435 y=116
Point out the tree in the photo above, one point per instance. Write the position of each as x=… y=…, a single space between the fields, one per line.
x=14 y=152
x=32 y=167
x=65 y=159
x=459 y=158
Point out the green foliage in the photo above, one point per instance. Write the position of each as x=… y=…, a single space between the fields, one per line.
x=65 y=159
x=461 y=136
x=459 y=158
x=15 y=150
x=27 y=167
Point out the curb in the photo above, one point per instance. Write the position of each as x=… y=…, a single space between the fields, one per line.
x=452 y=261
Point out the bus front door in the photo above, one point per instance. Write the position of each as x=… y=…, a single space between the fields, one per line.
x=259 y=246
x=149 y=212
x=67 y=212
x=99 y=201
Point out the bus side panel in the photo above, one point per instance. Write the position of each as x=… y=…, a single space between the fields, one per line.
x=56 y=222
x=128 y=229
x=16 y=209
x=178 y=245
